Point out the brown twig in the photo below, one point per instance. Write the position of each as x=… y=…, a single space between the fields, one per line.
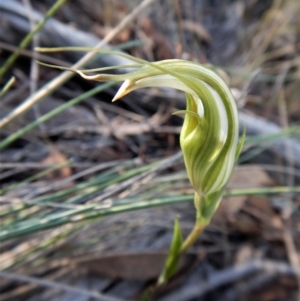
x=65 y=76
x=230 y=275
x=57 y=286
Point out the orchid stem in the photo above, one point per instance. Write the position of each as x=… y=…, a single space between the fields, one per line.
x=192 y=237
x=187 y=243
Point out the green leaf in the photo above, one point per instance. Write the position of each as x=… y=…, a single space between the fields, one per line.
x=173 y=258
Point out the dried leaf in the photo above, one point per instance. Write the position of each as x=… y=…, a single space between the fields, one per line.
x=56 y=157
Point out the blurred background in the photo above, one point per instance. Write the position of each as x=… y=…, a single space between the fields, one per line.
x=89 y=189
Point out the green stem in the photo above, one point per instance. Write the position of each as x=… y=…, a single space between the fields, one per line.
x=192 y=237
x=197 y=230
x=188 y=242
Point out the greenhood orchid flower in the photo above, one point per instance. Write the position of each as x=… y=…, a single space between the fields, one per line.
x=209 y=136
x=208 y=139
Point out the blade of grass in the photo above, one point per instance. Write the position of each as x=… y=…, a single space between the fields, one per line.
x=36 y=176
x=7 y=86
x=8 y=63
x=263 y=142
x=53 y=113
x=65 y=76
x=90 y=211
x=274 y=136
x=86 y=191
x=124 y=180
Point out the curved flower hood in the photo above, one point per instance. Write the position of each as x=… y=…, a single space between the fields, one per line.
x=209 y=136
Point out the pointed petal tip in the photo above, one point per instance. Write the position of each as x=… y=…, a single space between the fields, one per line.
x=116 y=98
x=119 y=94
x=124 y=89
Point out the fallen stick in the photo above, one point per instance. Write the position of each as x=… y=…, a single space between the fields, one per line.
x=58 y=81
x=196 y=288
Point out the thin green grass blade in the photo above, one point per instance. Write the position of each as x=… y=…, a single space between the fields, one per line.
x=25 y=42
x=53 y=113
x=7 y=86
x=90 y=211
